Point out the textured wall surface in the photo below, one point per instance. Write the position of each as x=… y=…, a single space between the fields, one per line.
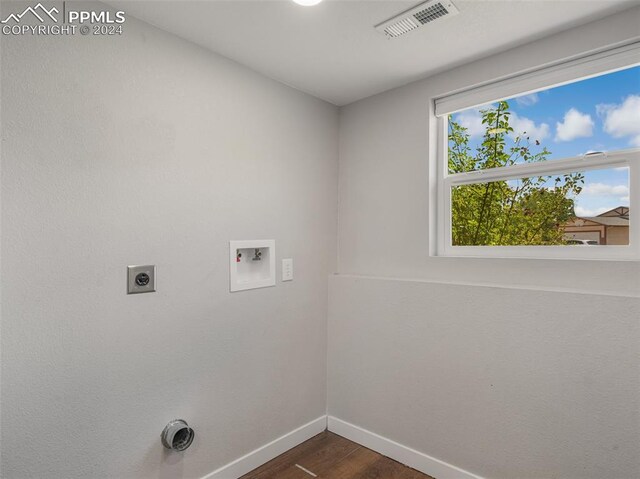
x=147 y=149
x=504 y=383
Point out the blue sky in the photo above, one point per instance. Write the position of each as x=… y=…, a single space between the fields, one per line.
x=597 y=114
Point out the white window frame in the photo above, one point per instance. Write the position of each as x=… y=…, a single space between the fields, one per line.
x=565 y=72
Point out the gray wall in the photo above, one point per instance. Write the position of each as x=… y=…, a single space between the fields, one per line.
x=147 y=149
x=535 y=376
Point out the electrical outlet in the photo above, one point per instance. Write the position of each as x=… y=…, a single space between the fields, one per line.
x=287 y=269
x=141 y=279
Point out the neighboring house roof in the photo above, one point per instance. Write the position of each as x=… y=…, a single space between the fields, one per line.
x=620 y=211
x=616 y=217
x=607 y=220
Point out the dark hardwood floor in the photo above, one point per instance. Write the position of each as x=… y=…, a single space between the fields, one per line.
x=329 y=456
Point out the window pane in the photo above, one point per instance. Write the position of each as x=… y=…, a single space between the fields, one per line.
x=577 y=209
x=597 y=114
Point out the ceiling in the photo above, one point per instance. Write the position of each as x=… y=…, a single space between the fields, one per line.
x=332 y=51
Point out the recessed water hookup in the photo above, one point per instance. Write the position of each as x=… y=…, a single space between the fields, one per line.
x=252 y=264
x=177 y=435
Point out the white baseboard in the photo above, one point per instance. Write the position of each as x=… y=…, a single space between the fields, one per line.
x=403 y=454
x=263 y=454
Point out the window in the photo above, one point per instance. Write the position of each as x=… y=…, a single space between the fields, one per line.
x=547 y=169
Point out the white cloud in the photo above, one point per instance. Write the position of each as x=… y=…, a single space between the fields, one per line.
x=527 y=100
x=575 y=125
x=624 y=199
x=622 y=120
x=523 y=126
x=580 y=211
x=472 y=121
x=602 y=189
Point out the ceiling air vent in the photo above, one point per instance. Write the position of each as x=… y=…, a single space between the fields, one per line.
x=424 y=13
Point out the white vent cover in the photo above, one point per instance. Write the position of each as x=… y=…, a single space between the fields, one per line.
x=424 y=13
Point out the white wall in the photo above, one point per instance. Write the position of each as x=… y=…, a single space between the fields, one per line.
x=147 y=149
x=522 y=379
x=504 y=383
